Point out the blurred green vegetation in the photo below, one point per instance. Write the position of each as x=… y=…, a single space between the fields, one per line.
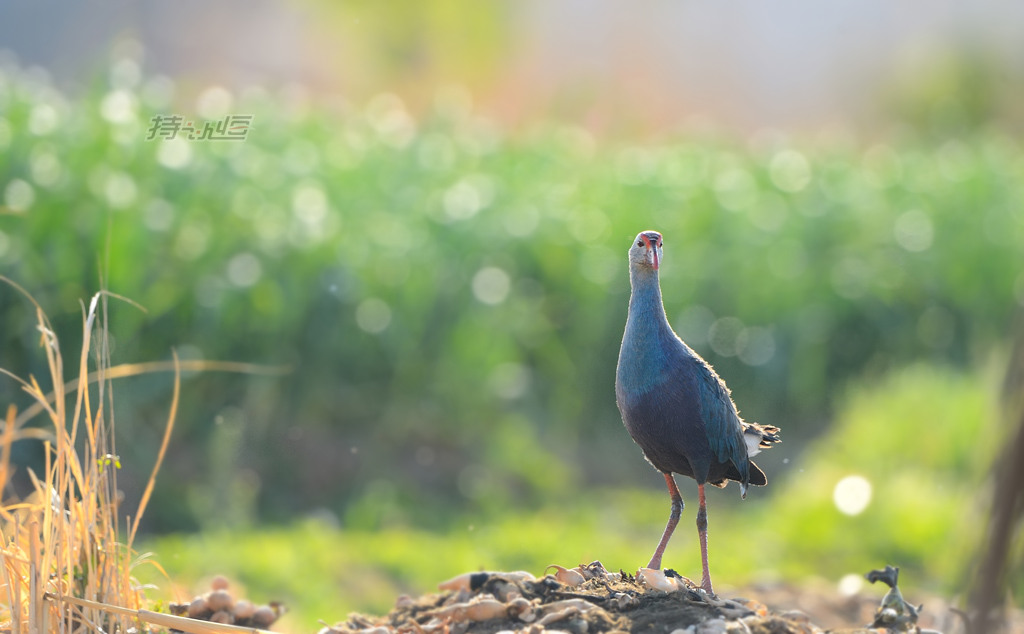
x=451 y=297
x=923 y=437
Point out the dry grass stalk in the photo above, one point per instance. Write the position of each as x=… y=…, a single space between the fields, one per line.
x=64 y=541
x=192 y=626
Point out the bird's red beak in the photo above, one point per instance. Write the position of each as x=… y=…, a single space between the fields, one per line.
x=652 y=249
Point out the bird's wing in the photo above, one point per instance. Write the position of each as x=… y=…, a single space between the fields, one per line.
x=723 y=423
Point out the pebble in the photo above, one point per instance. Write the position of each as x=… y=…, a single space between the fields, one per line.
x=466 y=580
x=219 y=601
x=263 y=617
x=552 y=617
x=404 y=601
x=571 y=577
x=222 y=616
x=625 y=601
x=796 y=615
x=244 y=609
x=713 y=626
x=656 y=579
x=220 y=582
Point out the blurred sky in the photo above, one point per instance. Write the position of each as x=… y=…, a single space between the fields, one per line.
x=745 y=64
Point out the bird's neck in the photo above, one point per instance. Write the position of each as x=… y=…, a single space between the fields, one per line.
x=646 y=310
x=644 y=354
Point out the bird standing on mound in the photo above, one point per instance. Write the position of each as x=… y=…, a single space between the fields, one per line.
x=676 y=407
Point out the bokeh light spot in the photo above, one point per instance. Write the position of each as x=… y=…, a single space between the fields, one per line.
x=466 y=198
x=790 y=171
x=120 y=190
x=42 y=119
x=19 y=195
x=174 y=153
x=509 y=380
x=244 y=270
x=387 y=115
x=724 y=334
x=491 y=285
x=119 y=106
x=850 y=584
x=309 y=204
x=158 y=214
x=914 y=231
x=45 y=167
x=735 y=189
x=373 y=315
x=214 y=102
x=852 y=495
x=521 y=221
x=755 y=345
x=694 y=325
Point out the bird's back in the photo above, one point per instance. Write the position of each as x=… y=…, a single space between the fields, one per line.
x=680 y=412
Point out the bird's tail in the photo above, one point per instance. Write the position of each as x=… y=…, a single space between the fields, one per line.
x=758 y=437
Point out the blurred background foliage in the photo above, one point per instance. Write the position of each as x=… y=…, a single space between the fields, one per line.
x=449 y=294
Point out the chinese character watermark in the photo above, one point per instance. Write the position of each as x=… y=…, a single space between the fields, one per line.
x=233 y=127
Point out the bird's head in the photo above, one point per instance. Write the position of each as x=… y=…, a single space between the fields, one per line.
x=646 y=250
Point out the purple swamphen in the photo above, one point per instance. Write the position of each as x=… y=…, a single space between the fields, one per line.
x=676 y=407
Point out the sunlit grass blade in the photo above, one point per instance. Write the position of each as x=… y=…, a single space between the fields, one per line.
x=63 y=541
x=160 y=455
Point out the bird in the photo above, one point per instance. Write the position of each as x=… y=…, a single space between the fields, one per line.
x=675 y=406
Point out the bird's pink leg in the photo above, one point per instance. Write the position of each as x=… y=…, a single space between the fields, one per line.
x=673 y=519
x=702 y=531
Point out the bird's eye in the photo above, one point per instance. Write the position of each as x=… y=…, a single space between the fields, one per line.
x=639 y=243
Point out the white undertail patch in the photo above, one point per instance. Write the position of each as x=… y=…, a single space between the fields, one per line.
x=753 y=440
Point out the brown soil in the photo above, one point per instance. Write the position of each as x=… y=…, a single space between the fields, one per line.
x=490 y=602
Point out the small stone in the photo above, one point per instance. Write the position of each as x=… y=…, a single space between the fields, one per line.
x=222 y=616
x=796 y=615
x=263 y=616
x=571 y=577
x=404 y=601
x=712 y=626
x=244 y=609
x=219 y=600
x=198 y=608
x=220 y=582
x=756 y=607
x=624 y=601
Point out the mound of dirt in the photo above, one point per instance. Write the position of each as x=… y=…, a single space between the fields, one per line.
x=584 y=600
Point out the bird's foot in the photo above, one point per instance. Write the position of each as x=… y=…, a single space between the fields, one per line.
x=705 y=585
